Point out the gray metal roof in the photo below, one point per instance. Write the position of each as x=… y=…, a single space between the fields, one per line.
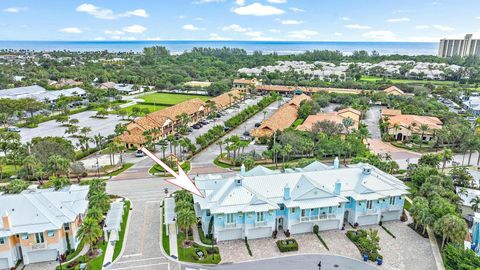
x=113 y=221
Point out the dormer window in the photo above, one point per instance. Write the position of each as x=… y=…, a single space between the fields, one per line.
x=238 y=182
x=66 y=226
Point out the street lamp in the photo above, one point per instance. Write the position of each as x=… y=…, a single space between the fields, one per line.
x=319 y=265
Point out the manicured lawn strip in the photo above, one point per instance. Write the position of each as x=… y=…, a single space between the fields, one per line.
x=119 y=243
x=203 y=238
x=125 y=167
x=9 y=170
x=165 y=237
x=151 y=108
x=75 y=253
x=157 y=169
x=287 y=245
x=171 y=99
x=188 y=254
x=221 y=164
x=297 y=122
x=407 y=205
x=96 y=264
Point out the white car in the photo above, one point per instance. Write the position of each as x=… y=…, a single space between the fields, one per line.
x=13 y=129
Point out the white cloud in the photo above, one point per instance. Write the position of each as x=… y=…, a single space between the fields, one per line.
x=253 y=34
x=337 y=34
x=190 y=27
x=277 y=1
x=108 y=14
x=274 y=31
x=384 y=35
x=443 y=28
x=296 y=10
x=422 y=26
x=345 y=18
x=198 y=19
x=154 y=38
x=398 y=20
x=135 y=29
x=257 y=9
x=478 y=18
x=214 y=36
x=302 y=34
x=291 y=22
x=207 y=1
x=71 y=30
x=357 y=26
x=234 y=28
x=114 y=32
x=181 y=17
x=14 y=9
x=240 y=2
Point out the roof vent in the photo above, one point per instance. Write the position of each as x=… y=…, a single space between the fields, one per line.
x=367 y=170
x=238 y=181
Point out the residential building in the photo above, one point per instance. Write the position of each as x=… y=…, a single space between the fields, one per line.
x=228 y=99
x=472 y=104
x=162 y=123
x=106 y=85
x=403 y=126
x=395 y=91
x=297 y=90
x=336 y=117
x=39 y=224
x=128 y=89
x=281 y=119
x=459 y=47
x=256 y=203
x=245 y=85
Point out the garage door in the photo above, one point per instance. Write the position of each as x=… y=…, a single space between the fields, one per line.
x=329 y=225
x=42 y=255
x=259 y=233
x=302 y=228
x=392 y=215
x=3 y=264
x=367 y=220
x=229 y=235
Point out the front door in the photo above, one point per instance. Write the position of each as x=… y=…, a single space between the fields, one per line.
x=280 y=224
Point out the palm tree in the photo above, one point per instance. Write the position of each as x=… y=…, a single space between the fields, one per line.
x=447 y=156
x=95 y=213
x=100 y=200
x=452 y=228
x=475 y=203
x=183 y=205
x=249 y=162
x=57 y=164
x=89 y=232
x=220 y=143
x=186 y=219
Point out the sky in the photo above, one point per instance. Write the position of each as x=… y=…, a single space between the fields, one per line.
x=277 y=20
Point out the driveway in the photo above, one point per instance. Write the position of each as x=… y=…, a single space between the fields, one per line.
x=371 y=120
x=104 y=127
x=401 y=156
x=142 y=249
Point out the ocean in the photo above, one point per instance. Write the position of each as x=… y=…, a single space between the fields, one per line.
x=179 y=46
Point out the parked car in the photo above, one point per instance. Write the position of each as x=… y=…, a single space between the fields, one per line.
x=139 y=153
x=246 y=133
x=196 y=126
x=257 y=124
x=13 y=129
x=245 y=138
x=226 y=128
x=203 y=122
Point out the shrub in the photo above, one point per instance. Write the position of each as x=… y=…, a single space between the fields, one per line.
x=287 y=245
x=315 y=229
x=367 y=242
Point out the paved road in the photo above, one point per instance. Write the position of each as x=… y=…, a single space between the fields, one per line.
x=303 y=262
x=142 y=249
x=203 y=160
x=372 y=122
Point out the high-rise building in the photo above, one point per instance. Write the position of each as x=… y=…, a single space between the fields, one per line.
x=459 y=47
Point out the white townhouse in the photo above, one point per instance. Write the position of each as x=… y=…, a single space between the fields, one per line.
x=38 y=225
x=256 y=203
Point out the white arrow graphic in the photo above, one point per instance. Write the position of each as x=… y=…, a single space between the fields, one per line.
x=181 y=178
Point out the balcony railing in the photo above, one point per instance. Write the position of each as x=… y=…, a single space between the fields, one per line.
x=39 y=245
x=319 y=217
x=371 y=211
x=260 y=223
x=230 y=225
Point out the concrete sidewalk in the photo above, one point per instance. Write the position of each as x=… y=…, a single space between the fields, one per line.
x=172 y=237
x=107 y=260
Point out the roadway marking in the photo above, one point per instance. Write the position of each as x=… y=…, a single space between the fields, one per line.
x=132 y=255
x=141 y=260
x=142 y=266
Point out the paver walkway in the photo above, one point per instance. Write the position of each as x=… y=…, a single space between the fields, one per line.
x=196 y=237
x=107 y=259
x=82 y=252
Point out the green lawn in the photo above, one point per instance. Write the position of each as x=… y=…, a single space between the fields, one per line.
x=96 y=264
x=375 y=78
x=157 y=169
x=8 y=170
x=170 y=99
x=187 y=254
x=165 y=238
x=125 y=167
x=119 y=244
x=151 y=108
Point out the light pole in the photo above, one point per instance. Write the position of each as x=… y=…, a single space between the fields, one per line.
x=320 y=265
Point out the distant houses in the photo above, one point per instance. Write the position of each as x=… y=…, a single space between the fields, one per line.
x=393 y=90
x=41 y=94
x=335 y=117
x=245 y=85
x=402 y=126
x=38 y=225
x=281 y=119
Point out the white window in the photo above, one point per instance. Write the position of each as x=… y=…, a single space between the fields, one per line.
x=392 y=200
x=39 y=239
x=293 y=210
x=330 y=210
x=229 y=218
x=2 y=240
x=208 y=213
x=25 y=236
x=303 y=213
x=369 y=204
x=51 y=233
x=259 y=216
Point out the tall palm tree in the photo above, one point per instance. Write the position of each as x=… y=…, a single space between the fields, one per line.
x=220 y=143
x=95 y=213
x=447 y=156
x=452 y=228
x=100 y=200
x=475 y=203
x=186 y=219
x=89 y=232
